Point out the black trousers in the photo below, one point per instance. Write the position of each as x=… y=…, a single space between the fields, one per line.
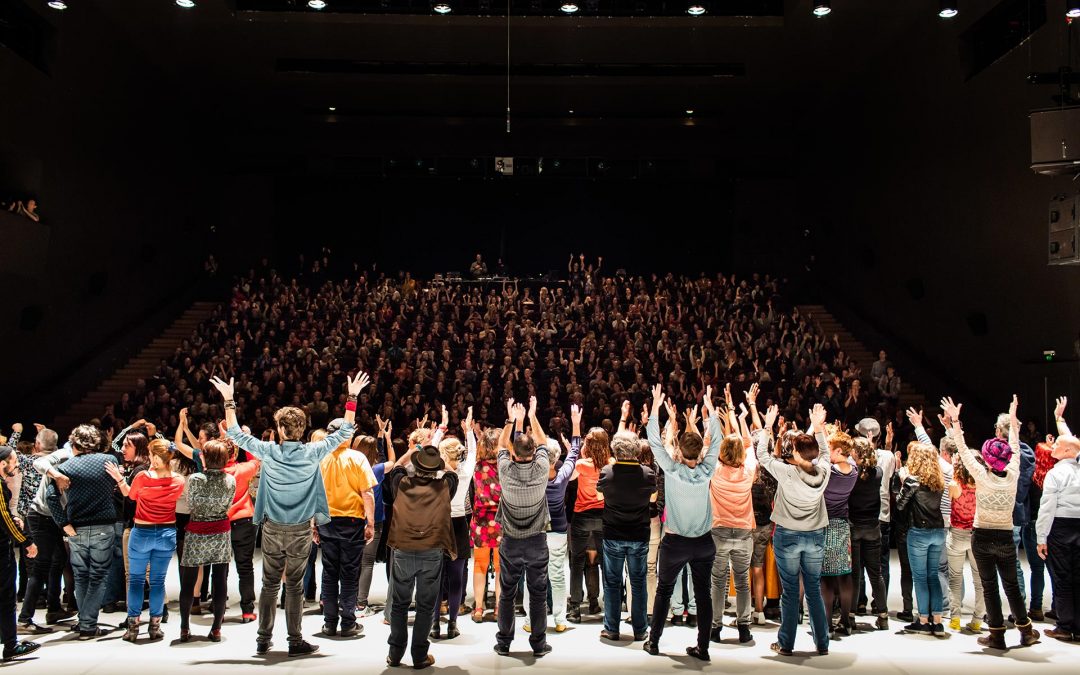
x=866 y=554
x=342 y=543
x=906 y=584
x=47 y=567
x=586 y=532
x=1063 y=556
x=675 y=553
x=995 y=555
x=8 y=570
x=243 y=545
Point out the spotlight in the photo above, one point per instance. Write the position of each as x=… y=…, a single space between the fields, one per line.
x=58 y=4
x=442 y=8
x=689 y=111
x=695 y=9
x=1072 y=9
x=569 y=8
x=332 y=108
x=822 y=7
x=186 y=4
x=317 y=4
x=949 y=9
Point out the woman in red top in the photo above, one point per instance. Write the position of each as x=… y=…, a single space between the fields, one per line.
x=486 y=532
x=958 y=546
x=587 y=528
x=153 y=540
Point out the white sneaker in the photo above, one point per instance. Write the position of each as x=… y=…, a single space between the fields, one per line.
x=759 y=618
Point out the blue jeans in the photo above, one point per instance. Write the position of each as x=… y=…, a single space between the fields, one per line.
x=152 y=545
x=1037 y=564
x=800 y=553
x=91 y=556
x=636 y=555
x=924 y=551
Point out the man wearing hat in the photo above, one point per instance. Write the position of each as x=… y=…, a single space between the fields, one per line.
x=420 y=533
x=12 y=532
x=349 y=483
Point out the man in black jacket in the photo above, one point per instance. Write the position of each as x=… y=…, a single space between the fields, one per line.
x=12 y=533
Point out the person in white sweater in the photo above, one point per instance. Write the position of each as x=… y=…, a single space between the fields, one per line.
x=991 y=542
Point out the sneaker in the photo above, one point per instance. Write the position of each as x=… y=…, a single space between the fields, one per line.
x=247 y=617
x=573 y=617
x=560 y=628
x=779 y=650
x=860 y=610
x=906 y=615
x=31 y=628
x=351 y=631
x=21 y=648
x=882 y=623
x=715 y=634
x=609 y=635
x=917 y=628
x=938 y=630
x=542 y=652
x=302 y=648
x=93 y=633
x=975 y=626
x=954 y=624
x=501 y=649
x=327 y=629
x=649 y=647
x=519 y=611
x=698 y=653
x=367 y=610
x=759 y=618
x=744 y=633
x=263 y=646
x=641 y=637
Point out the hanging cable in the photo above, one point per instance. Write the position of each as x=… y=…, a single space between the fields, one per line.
x=508 y=66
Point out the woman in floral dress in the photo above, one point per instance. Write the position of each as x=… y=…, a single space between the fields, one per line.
x=485 y=531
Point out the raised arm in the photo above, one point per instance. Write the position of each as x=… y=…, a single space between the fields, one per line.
x=181 y=430
x=652 y=432
x=1059 y=416
x=765 y=458
x=916 y=417
x=952 y=420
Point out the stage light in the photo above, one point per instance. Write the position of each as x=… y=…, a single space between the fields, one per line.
x=442 y=8
x=58 y=4
x=695 y=9
x=822 y=8
x=1072 y=9
x=569 y=8
x=186 y=4
x=317 y=4
x=948 y=9
x=690 y=111
x=332 y=108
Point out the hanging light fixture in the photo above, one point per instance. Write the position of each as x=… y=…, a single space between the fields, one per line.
x=695 y=9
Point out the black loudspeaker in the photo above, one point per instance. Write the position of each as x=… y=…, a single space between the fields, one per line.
x=977 y=323
x=1064 y=230
x=1055 y=140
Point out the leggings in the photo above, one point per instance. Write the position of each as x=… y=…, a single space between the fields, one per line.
x=454 y=574
x=219 y=574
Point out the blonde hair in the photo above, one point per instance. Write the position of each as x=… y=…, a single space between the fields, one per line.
x=923 y=463
x=420 y=437
x=318 y=435
x=841 y=442
x=451 y=451
x=488 y=446
x=160 y=449
x=732 y=451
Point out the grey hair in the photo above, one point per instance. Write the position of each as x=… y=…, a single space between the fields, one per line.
x=554 y=450
x=85 y=438
x=625 y=446
x=1002 y=424
x=47 y=440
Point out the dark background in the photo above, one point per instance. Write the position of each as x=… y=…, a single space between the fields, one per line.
x=153 y=137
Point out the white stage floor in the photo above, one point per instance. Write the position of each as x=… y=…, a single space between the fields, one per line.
x=577 y=649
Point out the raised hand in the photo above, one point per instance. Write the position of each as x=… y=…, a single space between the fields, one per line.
x=751 y=396
x=519 y=412
x=224 y=388
x=466 y=426
x=673 y=414
x=657 y=398
x=644 y=415
x=914 y=416
x=770 y=416
x=510 y=408
x=889 y=435
x=357 y=385
x=624 y=413
x=707 y=402
x=951 y=410
x=575 y=415
x=727 y=397
x=817 y=418
x=691 y=417
x=1059 y=407
x=532 y=407
x=445 y=417
x=183 y=417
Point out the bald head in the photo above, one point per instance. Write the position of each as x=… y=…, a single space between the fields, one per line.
x=1066 y=447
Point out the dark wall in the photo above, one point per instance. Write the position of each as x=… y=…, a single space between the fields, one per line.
x=936 y=221
x=102 y=145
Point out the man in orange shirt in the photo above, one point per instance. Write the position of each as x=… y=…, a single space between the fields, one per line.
x=349 y=483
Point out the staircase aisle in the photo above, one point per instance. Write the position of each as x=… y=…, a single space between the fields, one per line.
x=863 y=355
x=142 y=365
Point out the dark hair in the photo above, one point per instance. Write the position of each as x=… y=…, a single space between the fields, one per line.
x=525 y=447
x=185 y=466
x=399 y=447
x=370 y=447
x=210 y=429
x=142 y=447
x=215 y=454
x=690 y=444
x=807 y=447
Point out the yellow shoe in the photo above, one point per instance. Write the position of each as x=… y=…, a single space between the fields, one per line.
x=954 y=624
x=560 y=628
x=975 y=626
x=527 y=628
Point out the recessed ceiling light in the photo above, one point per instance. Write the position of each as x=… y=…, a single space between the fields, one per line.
x=695 y=9
x=332 y=108
x=949 y=9
x=690 y=111
x=571 y=111
x=442 y=8
x=822 y=8
x=186 y=4
x=317 y=4
x=58 y=4
x=569 y=8
x=1072 y=9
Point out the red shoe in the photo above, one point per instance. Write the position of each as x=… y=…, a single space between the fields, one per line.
x=247 y=618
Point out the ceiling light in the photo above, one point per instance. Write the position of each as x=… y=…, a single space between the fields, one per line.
x=695 y=9
x=690 y=111
x=822 y=8
x=569 y=8
x=186 y=4
x=948 y=9
x=332 y=108
x=317 y=4
x=571 y=111
x=1072 y=9
x=442 y=8
x=58 y=4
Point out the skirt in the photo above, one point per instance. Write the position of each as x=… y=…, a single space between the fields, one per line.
x=837 y=561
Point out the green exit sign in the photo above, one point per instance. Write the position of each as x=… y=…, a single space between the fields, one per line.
x=1048 y=355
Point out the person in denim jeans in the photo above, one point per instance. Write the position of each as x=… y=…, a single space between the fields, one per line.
x=87 y=521
x=920 y=499
x=627 y=487
x=801 y=519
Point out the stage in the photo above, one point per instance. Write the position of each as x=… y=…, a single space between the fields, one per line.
x=579 y=649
